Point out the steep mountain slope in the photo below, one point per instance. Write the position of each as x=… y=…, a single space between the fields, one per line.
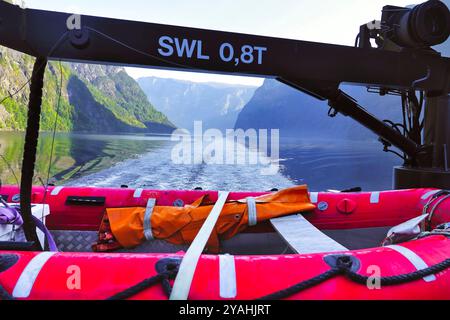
x=278 y=106
x=184 y=102
x=94 y=98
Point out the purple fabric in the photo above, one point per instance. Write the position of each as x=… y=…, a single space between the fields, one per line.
x=51 y=242
x=12 y=216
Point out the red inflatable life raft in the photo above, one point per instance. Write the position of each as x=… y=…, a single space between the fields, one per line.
x=416 y=268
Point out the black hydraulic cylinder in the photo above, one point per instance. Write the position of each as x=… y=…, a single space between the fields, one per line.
x=346 y=105
x=349 y=107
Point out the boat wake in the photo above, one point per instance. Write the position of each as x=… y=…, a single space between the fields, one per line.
x=155 y=170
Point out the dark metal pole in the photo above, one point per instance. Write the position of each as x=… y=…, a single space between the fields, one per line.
x=29 y=155
x=437 y=130
x=436 y=135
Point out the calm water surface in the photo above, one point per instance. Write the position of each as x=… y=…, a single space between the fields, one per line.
x=145 y=161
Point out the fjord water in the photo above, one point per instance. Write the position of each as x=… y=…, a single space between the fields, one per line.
x=145 y=161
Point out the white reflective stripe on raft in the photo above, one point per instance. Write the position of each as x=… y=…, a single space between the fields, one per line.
x=417 y=261
x=29 y=275
x=227 y=273
x=148 y=233
x=183 y=281
x=138 y=193
x=375 y=197
x=252 y=213
x=429 y=194
x=314 y=196
x=56 y=191
x=303 y=237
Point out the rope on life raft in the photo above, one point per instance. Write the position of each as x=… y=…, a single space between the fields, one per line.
x=344 y=267
x=6 y=262
x=4 y=295
x=167 y=270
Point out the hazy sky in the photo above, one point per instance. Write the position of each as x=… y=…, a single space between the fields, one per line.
x=333 y=21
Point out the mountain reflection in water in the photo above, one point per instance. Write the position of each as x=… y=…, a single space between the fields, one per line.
x=145 y=161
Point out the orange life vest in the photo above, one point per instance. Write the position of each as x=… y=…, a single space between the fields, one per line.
x=180 y=225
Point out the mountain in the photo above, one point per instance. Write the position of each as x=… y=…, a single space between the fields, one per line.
x=95 y=98
x=277 y=106
x=184 y=102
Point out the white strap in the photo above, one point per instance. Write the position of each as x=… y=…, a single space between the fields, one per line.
x=375 y=197
x=56 y=191
x=138 y=193
x=252 y=213
x=314 y=196
x=414 y=258
x=429 y=194
x=227 y=274
x=148 y=233
x=186 y=272
x=29 y=275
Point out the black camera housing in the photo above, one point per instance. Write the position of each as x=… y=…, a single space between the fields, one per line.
x=425 y=25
